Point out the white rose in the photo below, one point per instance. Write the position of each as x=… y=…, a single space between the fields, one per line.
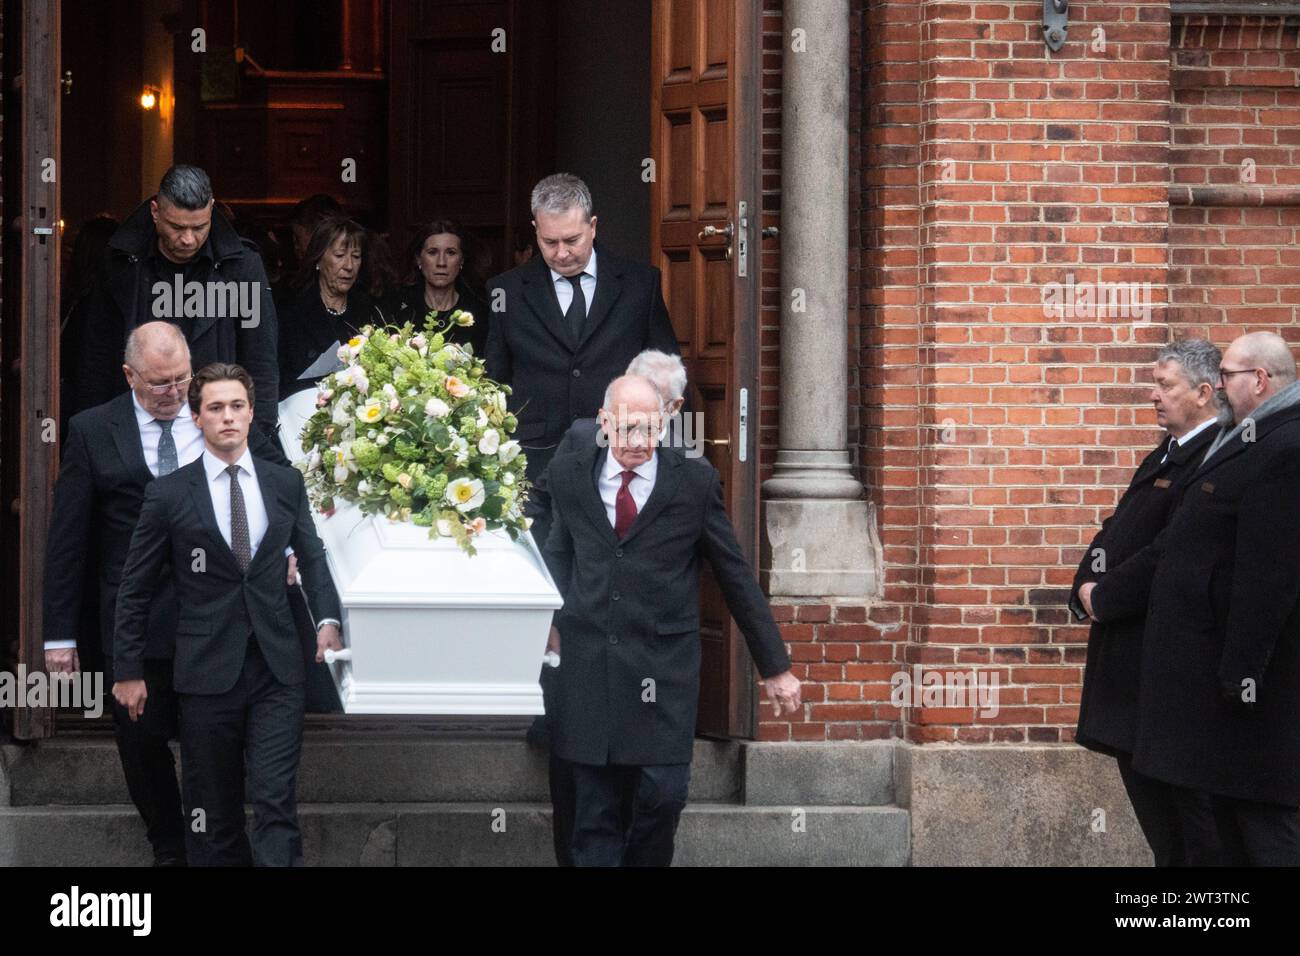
x=436 y=408
x=508 y=451
x=489 y=443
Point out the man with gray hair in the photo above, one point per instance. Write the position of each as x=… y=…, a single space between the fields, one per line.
x=567 y=323
x=1219 y=702
x=1113 y=582
x=173 y=259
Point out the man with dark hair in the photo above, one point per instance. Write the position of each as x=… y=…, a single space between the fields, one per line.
x=172 y=259
x=223 y=524
x=1113 y=583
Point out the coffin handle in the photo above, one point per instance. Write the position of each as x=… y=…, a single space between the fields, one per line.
x=332 y=655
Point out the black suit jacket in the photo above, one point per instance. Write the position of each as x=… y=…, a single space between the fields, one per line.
x=1225 y=607
x=1108 y=710
x=557 y=379
x=631 y=610
x=218 y=604
x=97 y=500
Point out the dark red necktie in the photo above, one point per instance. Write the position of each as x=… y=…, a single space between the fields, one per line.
x=624 y=507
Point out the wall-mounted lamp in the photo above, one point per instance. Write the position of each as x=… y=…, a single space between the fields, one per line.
x=1056 y=22
x=149 y=97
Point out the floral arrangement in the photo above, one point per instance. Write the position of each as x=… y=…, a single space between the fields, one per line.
x=412 y=428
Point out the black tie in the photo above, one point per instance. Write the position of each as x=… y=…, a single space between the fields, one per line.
x=238 y=521
x=577 y=314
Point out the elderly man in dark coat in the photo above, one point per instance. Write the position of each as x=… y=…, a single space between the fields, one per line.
x=631 y=525
x=1185 y=376
x=1219 y=707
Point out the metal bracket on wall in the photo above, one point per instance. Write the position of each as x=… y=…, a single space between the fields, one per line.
x=1056 y=23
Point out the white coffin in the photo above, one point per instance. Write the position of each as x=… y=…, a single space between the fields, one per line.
x=427 y=628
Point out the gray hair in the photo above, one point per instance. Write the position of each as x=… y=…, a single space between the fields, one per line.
x=1198 y=359
x=163 y=337
x=662 y=369
x=561 y=192
x=187 y=187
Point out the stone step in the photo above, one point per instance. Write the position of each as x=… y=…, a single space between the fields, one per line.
x=463 y=834
x=368 y=766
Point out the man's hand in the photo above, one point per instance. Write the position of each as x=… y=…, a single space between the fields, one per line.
x=327 y=639
x=553 y=641
x=783 y=693
x=1085 y=597
x=62 y=660
x=293 y=570
x=131 y=694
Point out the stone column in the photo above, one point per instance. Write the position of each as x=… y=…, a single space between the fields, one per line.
x=820 y=531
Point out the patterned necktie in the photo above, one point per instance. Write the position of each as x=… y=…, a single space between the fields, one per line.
x=577 y=314
x=167 y=462
x=624 y=507
x=238 y=521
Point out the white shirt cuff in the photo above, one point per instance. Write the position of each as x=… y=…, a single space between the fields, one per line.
x=60 y=645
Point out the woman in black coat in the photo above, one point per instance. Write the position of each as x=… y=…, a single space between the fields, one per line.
x=443 y=282
x=329 y=303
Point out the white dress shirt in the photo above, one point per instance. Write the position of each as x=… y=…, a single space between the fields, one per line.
x=564 y=288
x=186 y=435
x=611 y=480
x=1189 y=436
x=189 y=445
x=219 y=488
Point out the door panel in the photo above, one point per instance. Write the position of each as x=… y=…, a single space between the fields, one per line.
x=704 y=142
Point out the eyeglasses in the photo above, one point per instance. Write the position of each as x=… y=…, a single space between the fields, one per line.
x=1228 y=372
x=166 y=387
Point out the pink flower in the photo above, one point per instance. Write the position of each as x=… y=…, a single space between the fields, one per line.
x=456 y=387
x=476 y=527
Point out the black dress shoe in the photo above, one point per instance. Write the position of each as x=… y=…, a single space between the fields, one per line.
x=169 y=859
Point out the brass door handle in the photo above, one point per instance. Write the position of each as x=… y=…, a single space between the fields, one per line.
x=709 y=231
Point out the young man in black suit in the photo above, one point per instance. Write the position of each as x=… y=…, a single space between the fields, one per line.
x=109 y=456
x=631 y=523
x=565 y=324
x=1113 y=583
x=224 y=524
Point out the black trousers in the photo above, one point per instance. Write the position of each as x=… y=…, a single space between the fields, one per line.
x=1256 y=834
x=251 y=732
x=627 y=816
x=147 y=761
x=1178 y=824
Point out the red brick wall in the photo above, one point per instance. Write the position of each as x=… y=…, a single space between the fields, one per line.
x=994 y=438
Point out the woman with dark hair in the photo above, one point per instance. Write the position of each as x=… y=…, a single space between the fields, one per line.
x=329 y=302
x=443 y=283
